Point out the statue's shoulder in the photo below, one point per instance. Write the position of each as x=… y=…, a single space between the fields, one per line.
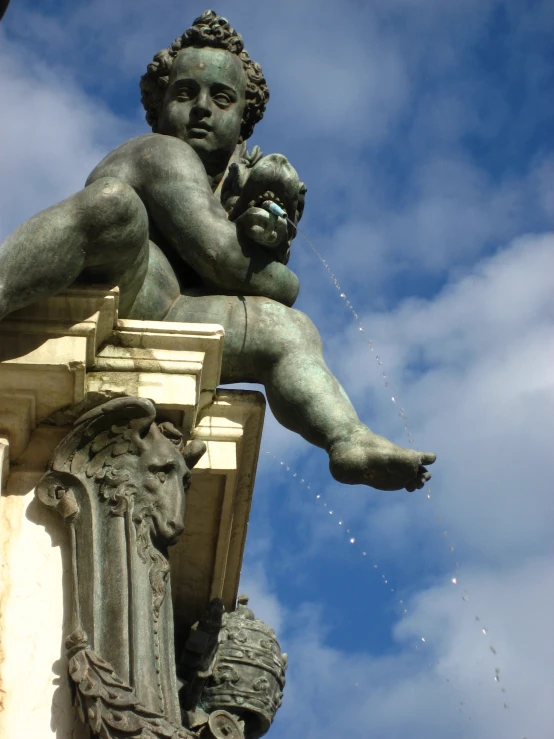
x=145 y=153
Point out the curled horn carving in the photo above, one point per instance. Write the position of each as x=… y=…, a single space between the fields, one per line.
x=105 y=423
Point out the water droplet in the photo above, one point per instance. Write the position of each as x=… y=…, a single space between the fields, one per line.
x=393 y=399
x=282 y=464
x=493 y=650
x=302 y=480
x=477 y=618
x=340 y=523
x=318 y=496
x=464 y=597
x=375 y=567
x=429 y=496
x=308 y=487
x=287 y=468
x=451 y=549
x=342 y=295
x=506 y=705
x=386 y=582
x=295 y=474
x=454 y=581
x=330 y=513
x=423 y=638
x=445 y=533
x=364 y=554
x=361 y=329
x=352 y=540
x=484 y=631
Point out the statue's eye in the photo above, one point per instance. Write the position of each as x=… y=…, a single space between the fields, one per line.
x=184 y=94
x=162 y=473
x=222 y=100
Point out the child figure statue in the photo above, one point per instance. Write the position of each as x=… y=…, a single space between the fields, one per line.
x=178 y=219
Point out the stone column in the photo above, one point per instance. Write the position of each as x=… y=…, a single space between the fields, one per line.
x=58 y=359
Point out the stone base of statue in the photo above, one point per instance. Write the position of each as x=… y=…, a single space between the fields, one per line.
x=96 y=418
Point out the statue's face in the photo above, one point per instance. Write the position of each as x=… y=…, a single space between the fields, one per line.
x=204 y=103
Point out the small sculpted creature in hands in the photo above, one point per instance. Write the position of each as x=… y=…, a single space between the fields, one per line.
x=179 y=220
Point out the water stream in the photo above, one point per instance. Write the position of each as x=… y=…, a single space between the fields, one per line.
x=350 y=535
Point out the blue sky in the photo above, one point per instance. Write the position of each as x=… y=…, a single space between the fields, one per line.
x=424 y=131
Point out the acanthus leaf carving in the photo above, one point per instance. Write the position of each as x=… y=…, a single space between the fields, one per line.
x=107 y=704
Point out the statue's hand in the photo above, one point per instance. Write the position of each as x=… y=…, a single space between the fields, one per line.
x=263 y=227
x=271 y=178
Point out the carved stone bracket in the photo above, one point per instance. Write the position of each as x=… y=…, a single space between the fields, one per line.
x=118 y=480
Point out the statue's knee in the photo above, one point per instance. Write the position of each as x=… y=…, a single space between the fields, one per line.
x=288 y=331
x=115 y=203
x=305 y=333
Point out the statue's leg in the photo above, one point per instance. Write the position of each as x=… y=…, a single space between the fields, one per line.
x=102 y=229
x=280 y=347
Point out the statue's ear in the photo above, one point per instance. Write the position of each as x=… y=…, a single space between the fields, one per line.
x=193 y=451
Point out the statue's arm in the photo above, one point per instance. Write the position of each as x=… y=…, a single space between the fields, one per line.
x=171 y=181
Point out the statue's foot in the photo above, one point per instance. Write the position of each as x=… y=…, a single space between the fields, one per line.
x=368 y=459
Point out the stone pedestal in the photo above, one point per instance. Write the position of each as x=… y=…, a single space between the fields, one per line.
x=58 y=359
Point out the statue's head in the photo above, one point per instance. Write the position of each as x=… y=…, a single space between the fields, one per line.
x=205 y=89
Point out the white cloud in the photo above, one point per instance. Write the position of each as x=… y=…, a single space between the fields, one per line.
x=52 y=134
x=444 y=686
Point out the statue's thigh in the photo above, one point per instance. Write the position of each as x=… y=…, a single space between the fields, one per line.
x=258 y=331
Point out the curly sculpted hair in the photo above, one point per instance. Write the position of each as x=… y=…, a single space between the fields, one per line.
x=211 y=30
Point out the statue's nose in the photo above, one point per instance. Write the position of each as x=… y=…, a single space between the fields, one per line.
x=202 y=105
x=174 y=530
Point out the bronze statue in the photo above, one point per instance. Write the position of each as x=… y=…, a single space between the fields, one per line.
x=178 y=219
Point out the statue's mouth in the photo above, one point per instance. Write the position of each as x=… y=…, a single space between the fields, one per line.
x=199 y=130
